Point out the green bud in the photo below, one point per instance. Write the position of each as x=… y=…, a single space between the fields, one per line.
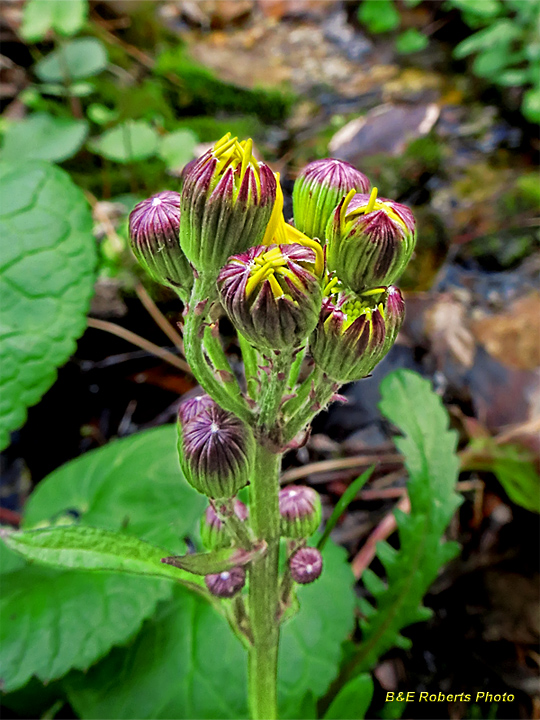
x=300 y=511
x=370 y=241
x=214 y=534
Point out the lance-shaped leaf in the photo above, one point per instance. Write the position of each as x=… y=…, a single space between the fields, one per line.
x=217 y=561
x=88 y=548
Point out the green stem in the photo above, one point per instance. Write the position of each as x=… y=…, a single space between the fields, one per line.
x=203 y=290
x=249 y=357
x=296 y=367
x=264 y=587
x=273 y=394
x=324 y=388
x=219 y=360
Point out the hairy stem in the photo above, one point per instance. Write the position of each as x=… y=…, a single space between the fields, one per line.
x=273 y=393
x=264 y=587
x=203 y=291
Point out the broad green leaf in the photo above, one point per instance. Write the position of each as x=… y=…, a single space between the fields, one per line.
x=429 y=448
x=63 y=620
x=134 y=484
x=40 y=16
x=411 y=41
x=47 y=264
x=379 y=16
x=310 y=648
x=185 y=663
x=177 y=148
x=43 y=137
x=127 y=142
x=76 y=59
x=489 y=64
x=88 y=548
x=482 y=8
x=353 y=700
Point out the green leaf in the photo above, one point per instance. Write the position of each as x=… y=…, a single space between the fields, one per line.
x=353 y=700
x=130 y=141
x=186 y=663
x=87 y=548
x=530 y=106
x=489 y=64
x=40 y=16
x=343 y=503
x=173 y=670
x=62 y=620
x=134 y=484
x=43 y=137
x=177 y=148
x=77 y=59
x=310 y=647
x=379 y=16
x=216 y=561
x=47 y=263
x=482 y=8
x=500 y=34
x=429 y=448
x=411 y=41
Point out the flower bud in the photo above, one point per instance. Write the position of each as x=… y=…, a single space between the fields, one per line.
x=317 y=191
x=306 y=565
x=394 y=315
x=154 y=233
x=349 y=339
x=214 y=534
x=227 y=583
x=226 y=202
x=370 y=241
x=194 y=406
x=216 y=452
x=300 y=511
x=272 y=294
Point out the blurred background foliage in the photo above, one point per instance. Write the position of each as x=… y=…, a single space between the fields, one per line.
x=438 y=103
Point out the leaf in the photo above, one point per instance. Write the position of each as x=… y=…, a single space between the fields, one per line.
x=130 y=141
x=482 y=8
x=379 y=16
x=47 y=263
x=40 y=16
x=343 y=503
x=353 y=700
x=310 y=647
x=411 y=41
x=51 y=630
x=87 y=548
x=76 y=59
x=172 y=670
x=429 y=448
x=43 y=137
x=490 y=63
x=185 y=663
x=530 y=106
x=501 y=33
x=134 y=484
x=177 y=148
x=216 y=561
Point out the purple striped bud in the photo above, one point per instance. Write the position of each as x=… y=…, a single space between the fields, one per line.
x=154 y=232
x=300 y=511
x=370 y=241
x=226 y=202
x=214 y=534
x=192 y=407
x=216 y=452
x=306 y=565
x=349 y=339
x=227 y=583
x=317 y=191
x=272 y=294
